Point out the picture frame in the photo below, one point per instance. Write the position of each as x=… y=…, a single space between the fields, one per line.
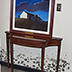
x=42 y=32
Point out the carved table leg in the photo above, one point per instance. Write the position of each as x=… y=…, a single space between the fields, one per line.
x=7 y=44
x=11 y=45
x=42 y=59
x=58 y=56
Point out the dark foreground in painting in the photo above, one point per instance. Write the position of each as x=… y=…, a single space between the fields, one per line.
x=29 y=24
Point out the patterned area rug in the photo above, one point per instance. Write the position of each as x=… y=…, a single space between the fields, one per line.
x=35 y=62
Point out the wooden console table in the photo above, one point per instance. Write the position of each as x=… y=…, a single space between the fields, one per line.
x=38 y=43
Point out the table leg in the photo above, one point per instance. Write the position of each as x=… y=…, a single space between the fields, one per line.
x=11 y=45
x=7 y=44
x=42 y=58
x=58 y=56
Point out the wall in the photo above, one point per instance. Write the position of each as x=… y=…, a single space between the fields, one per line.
x=0 y=41
x=62 y=26
x=0 y=33
x=4 y=20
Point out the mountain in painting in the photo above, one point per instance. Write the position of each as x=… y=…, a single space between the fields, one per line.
x=21 y=6
x=43 y=6
x=31 y=2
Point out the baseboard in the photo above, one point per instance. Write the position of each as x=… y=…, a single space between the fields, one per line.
x=20 y=67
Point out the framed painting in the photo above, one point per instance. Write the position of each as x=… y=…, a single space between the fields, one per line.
x=33 y=16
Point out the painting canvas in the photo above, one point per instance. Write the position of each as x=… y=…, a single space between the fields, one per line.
x=31 y=15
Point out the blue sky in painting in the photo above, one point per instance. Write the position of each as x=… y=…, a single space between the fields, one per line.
x=42 y=14
x=18 y=14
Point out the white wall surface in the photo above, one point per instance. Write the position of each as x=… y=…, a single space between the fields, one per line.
x=0 y=41
x=62 y=26
x=4 y=20
x=0 y=32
